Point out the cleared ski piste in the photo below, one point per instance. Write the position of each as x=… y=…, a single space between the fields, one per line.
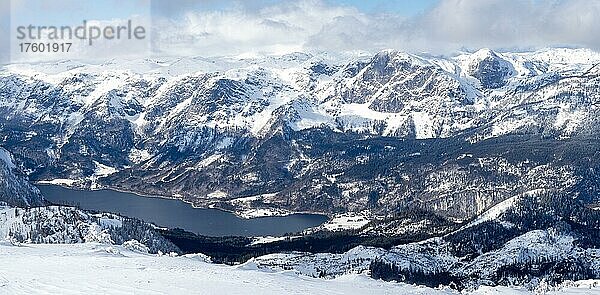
x=92 y=268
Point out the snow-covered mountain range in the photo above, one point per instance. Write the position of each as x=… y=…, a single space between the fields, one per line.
x=323 y=132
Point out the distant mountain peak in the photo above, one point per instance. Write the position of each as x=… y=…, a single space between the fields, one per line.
x=490 y=69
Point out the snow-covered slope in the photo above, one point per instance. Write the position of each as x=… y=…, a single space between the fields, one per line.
x=532 y=240
x=96 y=268
x=68 y=225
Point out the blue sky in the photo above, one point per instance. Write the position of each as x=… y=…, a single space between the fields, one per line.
x=402 y=7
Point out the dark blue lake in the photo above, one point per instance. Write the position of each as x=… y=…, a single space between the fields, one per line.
x=175 y=213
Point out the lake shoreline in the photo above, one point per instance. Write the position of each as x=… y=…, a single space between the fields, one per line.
x=172 y=212
x=145 y=195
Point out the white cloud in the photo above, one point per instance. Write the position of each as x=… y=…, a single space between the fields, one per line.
x=282 y=27
x=510 y=23
x=449 y=26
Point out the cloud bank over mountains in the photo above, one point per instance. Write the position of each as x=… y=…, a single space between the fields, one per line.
x=448 y=26
x=214 y=28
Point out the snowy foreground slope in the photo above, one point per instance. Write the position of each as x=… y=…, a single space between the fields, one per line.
x=95 y=268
